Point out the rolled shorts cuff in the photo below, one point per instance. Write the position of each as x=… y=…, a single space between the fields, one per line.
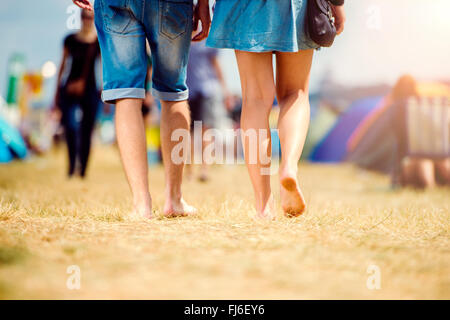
x=112 y=95
x=170 y=96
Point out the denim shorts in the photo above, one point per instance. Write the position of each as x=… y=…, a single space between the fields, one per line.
x=123 y=27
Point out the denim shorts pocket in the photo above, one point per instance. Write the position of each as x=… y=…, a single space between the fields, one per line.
x=174 y=17
x=117 y=16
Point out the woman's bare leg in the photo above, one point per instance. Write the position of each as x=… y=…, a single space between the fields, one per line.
x=258 y=93
x=425 y=173
x=442 y=168
x=203 y=175
x=293 y=70
x=419 y=173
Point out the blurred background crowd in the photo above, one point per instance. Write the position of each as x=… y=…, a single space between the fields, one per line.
x=380 y=97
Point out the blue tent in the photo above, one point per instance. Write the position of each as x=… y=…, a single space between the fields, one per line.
x=12 y=139
x=333 y=147
x=5 y=153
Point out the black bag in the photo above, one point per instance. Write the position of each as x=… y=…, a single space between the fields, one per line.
x=320 y=22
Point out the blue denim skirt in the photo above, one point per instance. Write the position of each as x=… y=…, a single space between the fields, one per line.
x=260 y=25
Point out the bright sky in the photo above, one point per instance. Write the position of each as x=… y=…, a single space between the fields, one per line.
x=382 y=40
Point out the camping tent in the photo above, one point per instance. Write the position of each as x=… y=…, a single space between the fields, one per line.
x=5 y=153
x=11 y=142
x=373 y=144
x=375 y=150
x=322 y=120
x=333 y=147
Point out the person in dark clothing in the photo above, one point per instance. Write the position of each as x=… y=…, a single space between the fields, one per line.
x=77 y=96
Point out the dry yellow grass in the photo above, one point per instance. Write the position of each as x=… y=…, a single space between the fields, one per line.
x=48 y=223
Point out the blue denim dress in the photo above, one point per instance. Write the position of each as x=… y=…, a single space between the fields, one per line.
x=260 y=25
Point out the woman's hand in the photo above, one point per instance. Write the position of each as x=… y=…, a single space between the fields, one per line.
x=76 y=88
x=339 y=16
x=201 y=13
x=55 y=110
x=55 y=114
x=55 y=105
x=84 y=4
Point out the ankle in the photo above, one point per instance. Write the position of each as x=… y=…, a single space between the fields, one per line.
x=263 y=201
x=142 y=200
x=288 y=168
x=173 y=196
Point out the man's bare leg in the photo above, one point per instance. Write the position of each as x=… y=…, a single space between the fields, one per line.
x=174 y=115
x=131 y=139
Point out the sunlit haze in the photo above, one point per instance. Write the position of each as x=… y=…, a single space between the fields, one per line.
x=382 y=40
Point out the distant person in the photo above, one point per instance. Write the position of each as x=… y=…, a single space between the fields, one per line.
x=258 y=30
x=414 y=171
x=208 y=94
x=77 y=93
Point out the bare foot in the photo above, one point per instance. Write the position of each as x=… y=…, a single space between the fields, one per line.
x=292 y=200
x=268 y=211
x=174 y=209
x=142 y=212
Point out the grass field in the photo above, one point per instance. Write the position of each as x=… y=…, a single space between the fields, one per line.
x=48 y=223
